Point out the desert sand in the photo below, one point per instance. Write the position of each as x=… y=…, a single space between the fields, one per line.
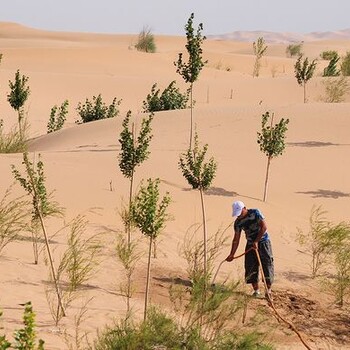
x=81 y=166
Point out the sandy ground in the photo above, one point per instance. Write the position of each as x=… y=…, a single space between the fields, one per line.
x=81 y=166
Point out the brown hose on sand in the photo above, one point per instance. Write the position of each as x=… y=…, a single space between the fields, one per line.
x=269 y=299
x=277 y=315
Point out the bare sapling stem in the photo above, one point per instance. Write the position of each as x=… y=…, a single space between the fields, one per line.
x=148 y=277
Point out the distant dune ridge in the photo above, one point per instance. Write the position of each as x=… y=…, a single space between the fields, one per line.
x=81 y=165
x=288 y=37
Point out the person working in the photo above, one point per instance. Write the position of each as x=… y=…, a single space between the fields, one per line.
x=252 y=222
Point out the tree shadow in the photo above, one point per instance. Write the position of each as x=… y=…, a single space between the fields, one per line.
x=175 y=280
x=218 y=191
x=296 y=276
x=325 y=194
x=312 y=144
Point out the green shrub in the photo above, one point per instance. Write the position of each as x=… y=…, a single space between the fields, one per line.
x=293 y=50
x=314 y=241
x=97 y=109
x=331 y=70
x=328 y=55
x=345 y=65
x=339 y=243
x=170 y=98
x=161 y=332
x=24 y=338
x=57 y=117
x=336 y=89
x=145 y=41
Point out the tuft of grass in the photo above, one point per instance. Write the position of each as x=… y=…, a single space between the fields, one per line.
x=146 y=41
x=14 y=141
x=13 y=218
x=335 y=89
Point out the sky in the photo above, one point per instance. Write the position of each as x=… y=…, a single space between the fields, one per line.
x=169 y=17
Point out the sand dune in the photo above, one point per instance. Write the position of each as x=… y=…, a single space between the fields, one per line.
x=81 y=161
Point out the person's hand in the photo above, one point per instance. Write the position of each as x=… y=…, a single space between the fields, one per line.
x=255 y=245
x=229 y=258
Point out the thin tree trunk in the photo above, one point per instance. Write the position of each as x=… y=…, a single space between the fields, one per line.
x=20 y=123
x=53 y=273
x=131 y=188
x=267 y=178
x=304 y=92
x=35 y=247
x=148 y=277
x=51 y=263
x=130 y=199
x=191 y=126
x=204 y=233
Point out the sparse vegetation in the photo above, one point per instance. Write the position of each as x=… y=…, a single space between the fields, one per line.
x=160 y=331
x=338 y=241
x=18 y=96
x=315 y=241
x=304 y=71
x=271 y=141
x=13 y=141
x=293 y=50
x=190 y=70
x=76 y=266
x=259 y=49
x=128 y=256
x=97 y=109
x=170 y=98
x=58 y=116
x=146 y=41
x=13 y=218
x=336 y=89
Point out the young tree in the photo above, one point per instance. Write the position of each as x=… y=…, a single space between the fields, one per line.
x=271 y=141
x=304 y=71
x=18 y=96
x=259 y=48
x=190 y=70
x=34 y=184
x=134 y=150
x=58 y=116
x=149 y=213
x=200 y=176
